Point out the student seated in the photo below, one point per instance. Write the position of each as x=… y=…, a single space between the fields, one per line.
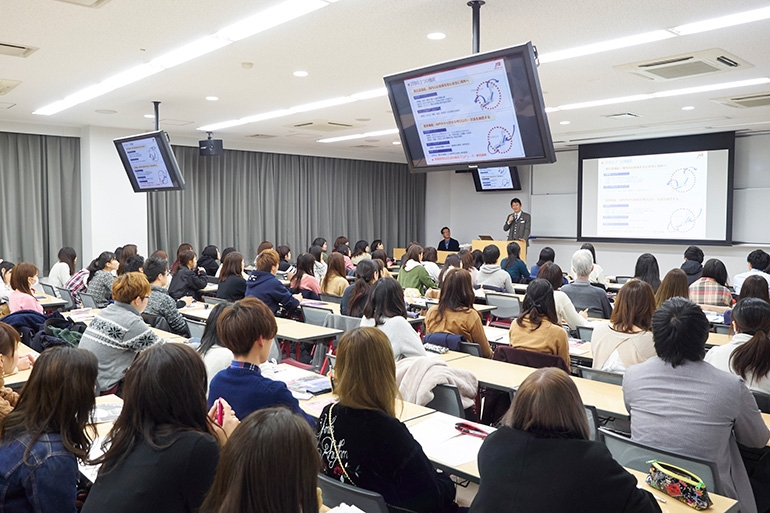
x=118 y=332
x=379 y=254
x=537 y=327
x=256 y=472
x=160 y=303
x=748 y=352
x=321 y=243
x=344 y=250
x=360 y=252
x=429 y=258
x=247 y=328
x=355 y=296
x=189 y=278
x=597 y=274
x=544 y=436
x=565 y=310
x=181 y=249
x=692 y=265
x=490 y=273
x=547 y=254
x=455 y=313
x=361 y=441
x=753 y=286
x=284 y=254
x=646 y=269
x=6 y=271
x=100 y=278
x=263 y=285
x=335 y=282
x=514 y=265
x=467 y=263
x=46 y=434
x=758 y=261
x=386 y=310
x=720 y=411
x=711 y=287
x=9 y=361
x=412 y=274
x=232 y=286
x=674 y=284
x=122 y=254
x=163 y=448
x=451 y=262
x=23 y=282
x=134 y=264
x=319 y=266
x=63 y=270
x=215 y=355
x=627 y=339
x=304 y=282
x=582 y=294
x=209 y=260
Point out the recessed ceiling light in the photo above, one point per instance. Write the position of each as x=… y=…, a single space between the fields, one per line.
x=105 y=111
x=300 y=73
x=436 y=36
x=396 y=142
x=564 y=122
x=689 y=107
x=150 y=116
x=212 y=98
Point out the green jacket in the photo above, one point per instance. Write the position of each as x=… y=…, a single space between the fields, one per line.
x=413 y=275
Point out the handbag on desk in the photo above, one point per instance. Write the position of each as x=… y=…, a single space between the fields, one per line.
x=679 y=483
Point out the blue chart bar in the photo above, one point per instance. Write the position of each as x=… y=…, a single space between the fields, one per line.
x=444 y=150
x=623 y=173
x=625 y=186
x=438 y=143
x=616 y=205
x=615 y=224
x=432 y=109
x=434 y=131
x=426 y=95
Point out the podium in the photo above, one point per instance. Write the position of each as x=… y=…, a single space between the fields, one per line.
x=502 y=245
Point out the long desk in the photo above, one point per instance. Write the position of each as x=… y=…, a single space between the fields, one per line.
x=18 y=378
x=49 y=302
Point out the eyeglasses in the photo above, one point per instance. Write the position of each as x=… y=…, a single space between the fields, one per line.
x=144 y=297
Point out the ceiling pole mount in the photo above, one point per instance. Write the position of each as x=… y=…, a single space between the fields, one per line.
x=475 y=6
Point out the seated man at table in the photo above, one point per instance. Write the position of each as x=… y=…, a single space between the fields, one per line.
x=118 y=332
x=160 y=303
x=263 y=285
x=247 y=328
x=582 y=294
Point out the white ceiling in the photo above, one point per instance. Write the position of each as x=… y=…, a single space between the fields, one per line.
x=347 y=48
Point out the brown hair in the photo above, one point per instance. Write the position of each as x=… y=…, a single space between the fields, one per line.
x=548 y=405
x=466 y=259
x=159 y=253
x=339 y=241
x=413 y=253
x=20 y=277
x=538 y=304
x=232 y=264
x=181 y=249
x=753 y=286
x=58 y=398
x=429 y=254
x=456 y=293
x=752 y=317
x=266 y=260
x=263 y=246
x=365 y=371
x=9 y=339
x=674 y=284
x=243 y=323
x=270 y=464
x=127 y=252
x=130 y=286
x=336 y=268
x=634 y=307
x=552 y=273
x=186 y=257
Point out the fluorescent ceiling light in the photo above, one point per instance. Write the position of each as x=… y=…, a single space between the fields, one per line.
x=378 y=133
x=436 y=36
x=212 y=98
x=374 y=93
x=689 y=107
x=564 y=122
x=269 y=18
x=605 y=46
x=723 y=21
x=660 y=94
x=300 y=74
x=333 y=102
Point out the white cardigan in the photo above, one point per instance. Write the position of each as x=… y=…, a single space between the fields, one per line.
x=565 y=310
x=59 y=275
x=405 y=341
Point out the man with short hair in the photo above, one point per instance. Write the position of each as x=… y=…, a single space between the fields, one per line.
x=758 y=262
x=693 y=264
x=490 y=273
x=518 y=224
x=448 y=243
x=582 y=294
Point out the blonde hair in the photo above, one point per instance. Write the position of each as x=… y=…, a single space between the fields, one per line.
x=130 y=286
x=365 y=372
x=267 y=260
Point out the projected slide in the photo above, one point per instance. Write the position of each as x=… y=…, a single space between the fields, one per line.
x=147 y=163
x=495 y=178
x=653 y=196
x=466 y=114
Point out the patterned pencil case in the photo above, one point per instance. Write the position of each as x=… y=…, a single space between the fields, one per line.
x=679 y=483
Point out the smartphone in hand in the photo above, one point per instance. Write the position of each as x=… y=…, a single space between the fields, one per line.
x=220 y=412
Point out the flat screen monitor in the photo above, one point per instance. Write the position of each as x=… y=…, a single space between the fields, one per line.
x=496 y=179
x=485 y=110
x=675 y=190
x=149 y=162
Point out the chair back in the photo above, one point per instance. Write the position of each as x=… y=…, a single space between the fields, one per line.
x=470 y=348
x=214 y=300
x=635 y=455
x=335 y=493
x=622 y=279
x=508 y=306
x=156 y=321
x=329 y=298
x=48 y=289
x=723 y=329
x=763 y=401
x=196 y=328
x=585 y=333
x=446 y=399
x=315 y=315
x=66 y=295
x=600 y=375
x=529 y=358
x=87 y=300
x=593 y=422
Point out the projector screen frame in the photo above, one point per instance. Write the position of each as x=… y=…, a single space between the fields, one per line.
x=167 y=156
x=655 y=146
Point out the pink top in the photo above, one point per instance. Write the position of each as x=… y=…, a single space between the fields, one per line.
x=348 y=263
x=309 y=282
x=21 y=301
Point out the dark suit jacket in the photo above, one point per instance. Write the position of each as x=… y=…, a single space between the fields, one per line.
x=453 y=245
x=522 y=473
x=520 y=229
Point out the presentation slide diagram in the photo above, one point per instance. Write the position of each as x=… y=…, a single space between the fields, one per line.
x=147 y=163
x=653 y=196
x=492 y=178
x=466 y=114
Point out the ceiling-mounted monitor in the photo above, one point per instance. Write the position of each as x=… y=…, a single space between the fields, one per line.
x=149 y=162
x=485 y=110
x=491 y=179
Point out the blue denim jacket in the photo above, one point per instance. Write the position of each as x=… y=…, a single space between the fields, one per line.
x=47 y=484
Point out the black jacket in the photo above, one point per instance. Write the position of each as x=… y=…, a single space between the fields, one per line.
x=188 y=282
x=210 y=264
x=693 y=270
x=232 y=289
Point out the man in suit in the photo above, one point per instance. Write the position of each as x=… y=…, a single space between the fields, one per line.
x=447 y=243
x=518 y=224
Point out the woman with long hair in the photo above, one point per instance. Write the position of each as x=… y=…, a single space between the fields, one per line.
x=565 y=310
x=185 y=246
x=361 y=251
x=319 y=266
x=100 y=278
x=361 y=441
x=547 y=254
x=544 y=436
x=164 y=443
x=455 y=313
x=47 y=432
x=386 y=310
x=467 y=262
x=646 y=269
x=412 y=274
x=711 y=288
x=450 y=262
x=335 y=281
x=537 y=327
x=23 y=282
x=379 y=254
x=126 y=252
x=674 y=284
x=627 y=339
x=305 y=281
x=189 y=279
x=6 y=271
x=514 y=265
x=232 y=286
x=63 y=270
x=209 y=259
x=355 y=296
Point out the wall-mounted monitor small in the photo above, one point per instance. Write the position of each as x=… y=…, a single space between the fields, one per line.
x=149 y=162
x=496 y=179
x=485 y=110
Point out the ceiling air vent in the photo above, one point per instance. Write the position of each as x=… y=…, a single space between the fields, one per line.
x=745 y=101
x=94 y=4
x=365 y=146
x=322 y=125
x=6 y=85
x=261 y=136
x=623 y=115
x=693 y=64
x=6 y=106
x=16 y=50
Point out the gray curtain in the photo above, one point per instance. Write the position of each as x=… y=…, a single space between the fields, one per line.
x=39 y=198
x=242 y=198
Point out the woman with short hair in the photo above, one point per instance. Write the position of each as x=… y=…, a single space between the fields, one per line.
x=23 y=282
